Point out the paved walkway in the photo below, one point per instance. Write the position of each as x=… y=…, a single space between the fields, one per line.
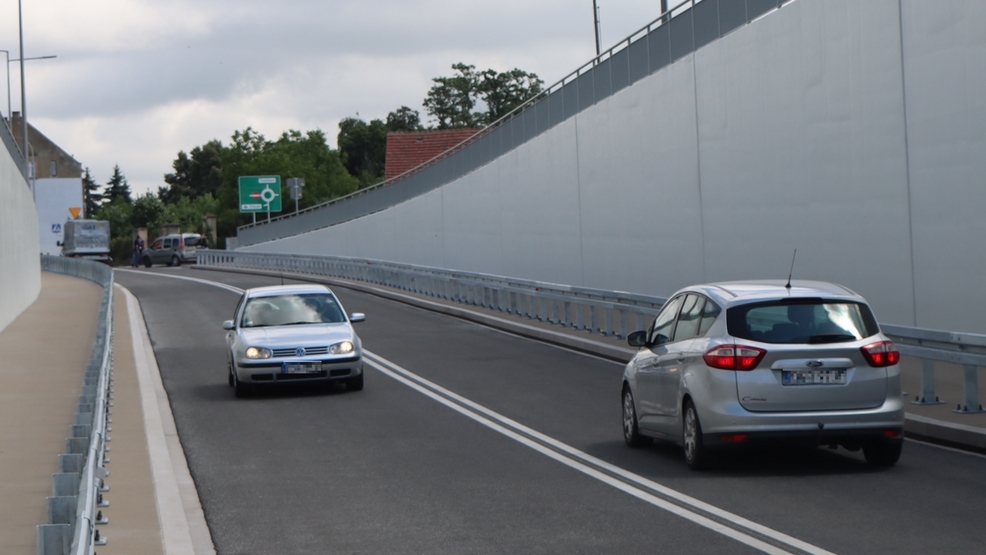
x=153 y=504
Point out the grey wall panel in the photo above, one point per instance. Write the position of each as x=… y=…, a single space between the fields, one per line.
x=586 y=95
x=619 y=67
x=571 y=94
x=732 y=14
x=557 y=102
x=639 y=65
x=540 y=208
x=530 y=124
x=471 y=212
x=659 y=47
x=638 y=176
x=808 y=155
x=945 y=69
x=602 y=84
x=682 y=35
x=543 y=109
x=705 y=18
x=756 y=8
x=786 y=133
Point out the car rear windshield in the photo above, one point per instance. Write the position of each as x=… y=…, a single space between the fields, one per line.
x=287 y=310
x=801 y=321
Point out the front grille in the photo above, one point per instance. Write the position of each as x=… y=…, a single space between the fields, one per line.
x=313 y=375
x=342 y=372
x=290 y=352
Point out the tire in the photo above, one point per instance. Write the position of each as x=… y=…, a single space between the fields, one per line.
x=175 y=261
x=355 y=384
x=884 y=454
x=696 y=454
x=147 y=262
x=631 y=432
x=240 y=389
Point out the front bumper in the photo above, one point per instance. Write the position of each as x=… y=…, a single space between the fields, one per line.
x=268 y=371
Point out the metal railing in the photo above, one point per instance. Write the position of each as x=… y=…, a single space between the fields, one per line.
x=613 y=313
x=77 y=490
x=673 y=35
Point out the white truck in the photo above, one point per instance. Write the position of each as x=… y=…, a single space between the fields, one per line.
x=87 y=239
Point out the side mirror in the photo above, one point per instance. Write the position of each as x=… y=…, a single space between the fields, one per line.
x=228 y=325
x=637 y=339
x=357 y=317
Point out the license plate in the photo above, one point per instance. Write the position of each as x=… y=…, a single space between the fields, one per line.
x=820 y=376
x=301 y=367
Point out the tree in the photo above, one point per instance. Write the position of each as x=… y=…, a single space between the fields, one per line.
x=196 y=174
x=452 y=101
x=117 y=187
x=363 y=147
x=148 y=211
x=403 y=119
x=90 y=195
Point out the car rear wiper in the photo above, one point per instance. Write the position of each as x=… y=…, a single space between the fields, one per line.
x=831 y=338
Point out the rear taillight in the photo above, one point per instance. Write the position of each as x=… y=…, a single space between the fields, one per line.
x=881 y=354
x=734 y=357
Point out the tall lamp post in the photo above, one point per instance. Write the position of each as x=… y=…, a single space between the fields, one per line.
x=6 y=54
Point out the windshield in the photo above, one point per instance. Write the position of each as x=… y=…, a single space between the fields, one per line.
x=286 y=310
x=801 y=321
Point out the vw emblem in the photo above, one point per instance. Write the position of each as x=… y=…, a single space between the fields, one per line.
x=300 y=352
x=814 y=363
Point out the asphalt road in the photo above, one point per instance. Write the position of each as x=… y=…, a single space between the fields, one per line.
x=470 y=440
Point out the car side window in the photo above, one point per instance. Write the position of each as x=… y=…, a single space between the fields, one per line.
x=156 y=245
x=690 y=317
x=709 y=314
x=663 y=327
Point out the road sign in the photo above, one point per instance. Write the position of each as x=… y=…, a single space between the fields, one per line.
x=260 y=193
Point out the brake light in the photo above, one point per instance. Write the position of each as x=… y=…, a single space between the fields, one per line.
x=734 y=357
x=881 y=354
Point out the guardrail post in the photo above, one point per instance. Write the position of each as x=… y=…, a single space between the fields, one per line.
x=927 y=396
x=971 y=387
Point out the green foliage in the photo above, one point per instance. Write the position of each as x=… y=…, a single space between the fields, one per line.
x=118 y=213
x=363 y=148
x=148 y=211
x=117 y=187
x=403 y=120
x=452 y=101
x=90 y=195
x=197 y=174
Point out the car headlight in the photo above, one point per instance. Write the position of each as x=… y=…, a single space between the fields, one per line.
x=341 y=348
x=258 y=352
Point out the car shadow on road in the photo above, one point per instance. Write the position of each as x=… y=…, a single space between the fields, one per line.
x=223 y=392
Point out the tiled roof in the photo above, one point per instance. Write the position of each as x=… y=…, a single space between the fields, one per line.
x=407 y=150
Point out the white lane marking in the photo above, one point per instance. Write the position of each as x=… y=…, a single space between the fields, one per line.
x=580 y=461
x=183 y=526
x=205 y=281
x=500 y=423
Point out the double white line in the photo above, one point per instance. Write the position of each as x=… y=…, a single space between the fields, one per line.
x=728 y=524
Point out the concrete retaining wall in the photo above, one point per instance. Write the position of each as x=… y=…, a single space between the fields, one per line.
x=20 y=262
x=851 y=131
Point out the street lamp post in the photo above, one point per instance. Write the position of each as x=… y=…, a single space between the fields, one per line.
x=6 y=54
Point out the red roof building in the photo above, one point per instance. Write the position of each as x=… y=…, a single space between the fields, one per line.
x=408 y=150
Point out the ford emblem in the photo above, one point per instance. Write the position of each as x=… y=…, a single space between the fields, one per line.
x=814 y=363
x=300 y=352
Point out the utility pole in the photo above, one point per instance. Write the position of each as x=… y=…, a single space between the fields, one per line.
x=595 y=22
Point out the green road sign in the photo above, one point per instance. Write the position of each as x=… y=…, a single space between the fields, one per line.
x=260 y=193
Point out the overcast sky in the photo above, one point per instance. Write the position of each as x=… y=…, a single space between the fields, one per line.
x=135 y=81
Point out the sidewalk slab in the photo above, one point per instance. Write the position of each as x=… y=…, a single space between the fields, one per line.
x=46 y=352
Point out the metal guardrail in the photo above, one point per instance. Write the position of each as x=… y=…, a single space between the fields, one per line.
x=594 y=310
x=77 y=490
x=676 y=33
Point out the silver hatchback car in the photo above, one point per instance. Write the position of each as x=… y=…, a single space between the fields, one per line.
x=292 y=334
x=733 y=363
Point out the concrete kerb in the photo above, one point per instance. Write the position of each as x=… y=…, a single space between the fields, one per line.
x=959 y=436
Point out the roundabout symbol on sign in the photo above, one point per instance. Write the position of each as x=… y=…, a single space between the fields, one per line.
x=267 y=195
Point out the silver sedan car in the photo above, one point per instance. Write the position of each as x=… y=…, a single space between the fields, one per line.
x=292 y=334
x=734 y=363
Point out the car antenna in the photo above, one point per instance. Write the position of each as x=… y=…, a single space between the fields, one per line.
x=788 y=286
